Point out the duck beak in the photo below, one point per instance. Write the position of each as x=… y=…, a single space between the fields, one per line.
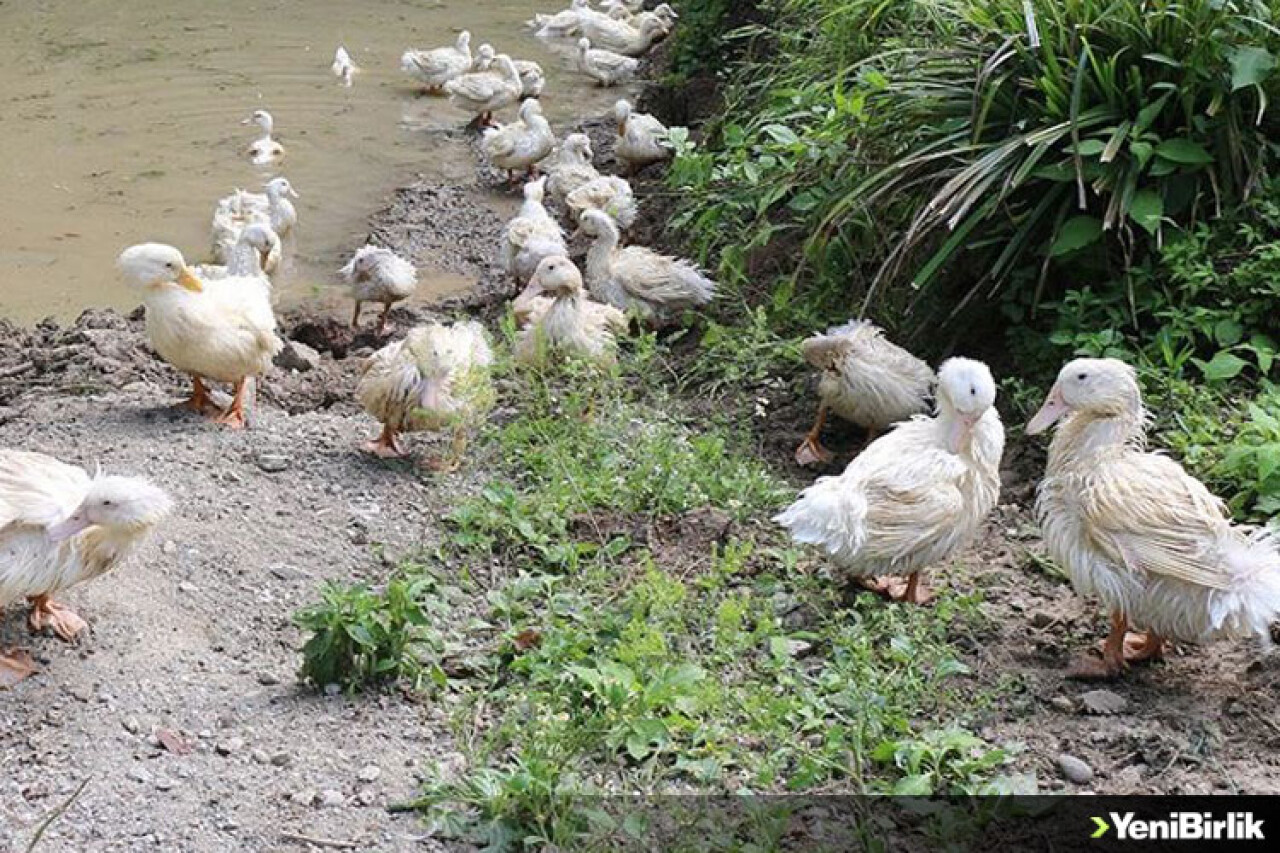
x=188 y=279
x=293 y=193
x=1053 y=409
x=248 y=121
x=64 y=530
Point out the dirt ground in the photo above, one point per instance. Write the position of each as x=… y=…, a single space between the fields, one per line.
x=192 y=641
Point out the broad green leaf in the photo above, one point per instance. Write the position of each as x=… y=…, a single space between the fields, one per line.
x=1221 y=367
x=918 y=785
x=1147 y=209
x=1268 y=460
x=1184 y=151
x=781 y=133
x=1228 y=332
x=1076 y=233
x=1250 y=66
x=1090 y=147
x=1141 y=151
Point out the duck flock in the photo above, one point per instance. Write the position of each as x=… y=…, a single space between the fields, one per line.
x=1130 y=526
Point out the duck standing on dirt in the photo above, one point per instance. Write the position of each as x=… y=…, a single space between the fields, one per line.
x=376 y=274
x=917 y=495
x=59 y=527
x=635 y=279
x=264 y=149
x=562 y=320
x=223 y=329
x=436 y=67
x=642 y=139
x=522 y=144
x=481 y=93
x=532 y=235
x=436 y=378
x=1133 y=528
x=866 y=379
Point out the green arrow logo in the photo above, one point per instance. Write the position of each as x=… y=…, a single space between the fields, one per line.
x=1102 y=825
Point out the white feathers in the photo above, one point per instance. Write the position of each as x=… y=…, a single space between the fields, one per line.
x=604 y=66
x=343 y=68
x=376 y=274
x=264 y=149
x=240 y=209
x=532 y=235
x=434 y=68
x=642 y=139
x=521 y=144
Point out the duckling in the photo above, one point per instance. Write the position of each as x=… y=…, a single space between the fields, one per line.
x=604 y=66
x=866 y=380
x=654 y=286
x=521 y=144
x=608 y=193
x=221 y=329
x=532 y=235
x=1133 y=528
x=256 y=254
x=378 y=275
x=264 y=149
x=343 y=68
x=434 y=68
x=641 y=138
x=621 y=37
x=917 y=495
x=482 y=92
x=572 y=167
x=60 y=527
x=561 y=320
x=561 y=24
x=241 y=208
x=436 y=378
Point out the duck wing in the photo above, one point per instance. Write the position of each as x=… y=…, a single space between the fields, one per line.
x=38 y=490
x=1145 y=512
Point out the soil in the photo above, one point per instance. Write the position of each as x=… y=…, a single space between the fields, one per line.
x=177 y=724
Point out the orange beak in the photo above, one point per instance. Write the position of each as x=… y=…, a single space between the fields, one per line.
x=188 y=279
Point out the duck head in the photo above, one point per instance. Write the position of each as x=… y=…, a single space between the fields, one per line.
x=578 y=145
x=464 y=41
x=155 y=264
x=118 y=503
x=484 y=57
x=278 y=188
x=966 y=391
x=262 y=119
x=558 y=276
x=597 y=223
x=1101 y=387
x=263 y=239
x=622 y=112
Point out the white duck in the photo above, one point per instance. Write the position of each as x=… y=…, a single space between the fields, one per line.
x=563 y=23
x=523 y=143
x=641 y=138
x=378 y=275
x=608 y=193
x=343 y=68
x=560 y=319
x=866 y=379
x=222 y=329
x=917 y=495
x=482 y=92
x=572 y=167
x=604 y=66
x=255 y=254
x=241 y=208
x=1134 y=529
x=622 y=37
x=434 y=68
x=436 y=378
x=532 y=78
x=533 y=234
x=264 y=149
x=60 y=527
x=654 y=286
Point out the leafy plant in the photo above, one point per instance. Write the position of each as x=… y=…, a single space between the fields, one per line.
x=1251 y=462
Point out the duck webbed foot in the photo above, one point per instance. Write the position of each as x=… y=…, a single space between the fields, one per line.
x=1140 y=647
x=811 y=451
x=199 y=402
x=910 y=590
x=47 y=613
x=386 y=445
x=1121 y=648
x=15 y=666
x=234 y=417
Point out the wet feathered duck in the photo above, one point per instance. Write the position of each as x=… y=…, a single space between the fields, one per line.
x=1133 y=528
x=560 y=320
x=437 y=66
x=917 y=495
x=376 y=274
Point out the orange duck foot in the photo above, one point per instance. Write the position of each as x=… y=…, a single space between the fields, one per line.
x=909 y=589
x=385 y=446
x=811 y=452
x=15 y=666
x=47 y=613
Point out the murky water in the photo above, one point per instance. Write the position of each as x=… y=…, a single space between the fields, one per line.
x=122 y=124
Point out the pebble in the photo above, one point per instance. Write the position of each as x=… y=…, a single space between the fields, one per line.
x=369 y=773
x=140 y=774
x=1103 y=702
x=164 y=783
x=268 y=678
x=230 y=746
x=260 y=756
x=1063 y=704
x=282 y=759
x=297 y=356
x=131 y=725
x=329 y=799
x=332 y=689
x=1075 y=769
x=273 y=463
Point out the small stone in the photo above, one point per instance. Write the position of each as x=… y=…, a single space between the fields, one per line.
x=297 y=356
x=260 y=756
x=332 y=689
x=131 y=725
x=369 y=773
x=282 y=759
x=329 y=799
x=164 y=783
x=187 y=588
x=229 y=746
x=1103 y=702
x=268 y=678
x=80 y=694
x=1063 y=704
x=169 y=547
x=273 y=463
x=140 y=774
x=287 y=573
x=1042 y=619
x=1074 y=769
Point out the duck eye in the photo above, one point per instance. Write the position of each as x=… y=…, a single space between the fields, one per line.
x=973 y=392
x=106 y=503
x=1082 y=376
